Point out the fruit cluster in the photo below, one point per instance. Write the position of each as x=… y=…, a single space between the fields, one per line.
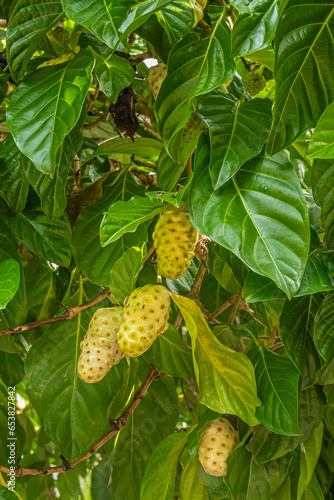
x=116 y=331
x=175 y=239
x=219 y=441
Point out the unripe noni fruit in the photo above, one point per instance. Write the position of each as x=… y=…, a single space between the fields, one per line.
x=99 y=348
x=61 y=35
x=155 y=77
x=145 y=317
x=254 y=82
x=219 y=441
x=193 y=128
x=175 y=239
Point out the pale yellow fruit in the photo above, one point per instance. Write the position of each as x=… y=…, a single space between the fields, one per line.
x=175 y=239
x=155 y=77
x=145 y=317
x=218 y=442
x=99 y=348
x=198 y=6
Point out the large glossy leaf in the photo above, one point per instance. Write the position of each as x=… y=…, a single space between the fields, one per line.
x=296 y=324
x=159 y=478
x=27 y=26
x=114 y=73
x=315 y=279
x=95 y=261
x=255 y=30
x=309 y=454
x=322 y=141
x=16 y=311
x=122 y=149
x=192 y=486
x=64 y=403
x=314 y=490
x=14 y=186
x=45 y=108
x=195 y=66
x=101 y=17
x=323 y=182
x=225 y=378
x=177 y=19
x=238 y=130
x=324 y=328
x=266 y=446
x=9 y=281
x=12 y=368
x=125 y=216
x=171 y=355
x=52 y=192
x=169 y=171
x=277 y=383
x=124 y=273
x=266 y=196
x=304 y=85
x=246 y=479
x=155 y=417
x=42 y=297
x=50 y=240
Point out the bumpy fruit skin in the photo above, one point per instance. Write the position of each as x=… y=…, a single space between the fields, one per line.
x=254 y=82
x=193 y=128
x=99 y=348
x=145 y=317
x=218 y=442
x=61 y=35
x=198 y=6
x=155 y=77
x=175 y=239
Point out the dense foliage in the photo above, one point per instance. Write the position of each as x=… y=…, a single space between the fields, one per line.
x=92 y=154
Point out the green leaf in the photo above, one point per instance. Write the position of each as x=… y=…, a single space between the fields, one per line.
x=50 y=240
x=122 y=149
x=238 y=130
x=6 y=494
x=324 y=328
x=52 y=192
x=45 y=108
x=225 y=378
x=114 y=73
x=14 y=186
x=125 y=216
x=159 y=477
x=124 y=273
x=12 y=368
x=304 y=88
x=246 y=479
x=155 y=417
x=169 y=171
x=309 y=454
x=313 y=491
x=255 y=30
x=195 y=66
x=103 y=18
x=30 y=20
x=177 y=19
x=266 y=446
x=95 y=261
x=322 y=140
x=277 y=382
x=266 y=195
x=42 y=297
x=323 y=182
x=192 y=486
x=63 y=402
x=9 y=281
x=296 y=325
x=315 y=279
x=171 y=355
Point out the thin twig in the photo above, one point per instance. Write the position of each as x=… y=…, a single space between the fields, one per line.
x=149 y=253
x=142 y=57
x=276 y=346
x=246 y=64
x=235 y=308
x=143 y=163
x=70 y=313
x=120 y=423
x=103 y=118
x=222 y=308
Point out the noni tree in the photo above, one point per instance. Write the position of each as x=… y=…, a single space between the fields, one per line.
x=167 y=249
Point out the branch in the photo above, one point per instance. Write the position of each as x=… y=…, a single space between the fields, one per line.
x=235 y=308
x=103 y=118
x=226 y=305
x=70 y=313
x=149 y=253
x=120 y=423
